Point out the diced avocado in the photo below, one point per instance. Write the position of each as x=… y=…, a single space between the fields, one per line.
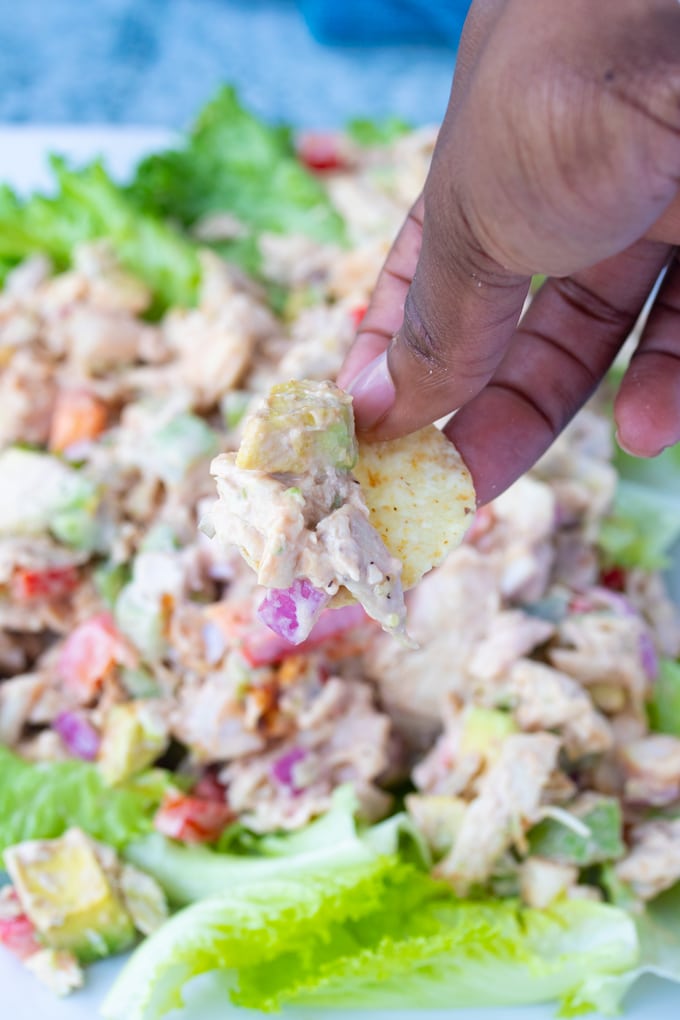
x=180 y=444
x=144 y=899
x=68 y=895
x=301 y=423
x=134 y=735
x=484 y=730
x=438 y=818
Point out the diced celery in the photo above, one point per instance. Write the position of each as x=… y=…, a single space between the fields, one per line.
x=179 y=445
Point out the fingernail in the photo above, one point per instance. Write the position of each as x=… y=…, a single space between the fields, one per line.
x=636 y=453
x=373 y=392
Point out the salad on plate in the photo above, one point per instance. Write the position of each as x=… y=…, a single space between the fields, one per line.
x=459 y=790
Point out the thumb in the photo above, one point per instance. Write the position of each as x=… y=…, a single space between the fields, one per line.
x=460 y=312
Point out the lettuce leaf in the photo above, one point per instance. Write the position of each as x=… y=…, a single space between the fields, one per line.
x=659 y=937
x=645 y=522
x=332 y=843
x=233 y=162
x=42 y=800
x=368 y=132
x=376 y=935
x=663 y=707
x=89 y=205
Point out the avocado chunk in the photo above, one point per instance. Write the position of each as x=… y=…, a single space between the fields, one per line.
x=135 y=734
x=301 y=422
x=484 y=731
x=66 y=892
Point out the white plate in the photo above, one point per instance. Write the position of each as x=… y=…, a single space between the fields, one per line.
x=23 y=165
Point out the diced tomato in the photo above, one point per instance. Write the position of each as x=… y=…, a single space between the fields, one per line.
x=192 y=819
x=209 y=787
x=357 y=314
x=52 y=582
x=18 y=935
x=320 y=152
x=77 y=416
x=614 y=578
x=89 y=653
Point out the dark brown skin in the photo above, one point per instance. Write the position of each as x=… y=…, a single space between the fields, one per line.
x=559 y=154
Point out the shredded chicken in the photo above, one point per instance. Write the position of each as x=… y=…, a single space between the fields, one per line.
x=507 y=804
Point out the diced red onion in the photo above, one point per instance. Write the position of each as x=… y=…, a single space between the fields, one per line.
x=261 y=647
x=615 y=601
x=648 y=657
x=282 y=768
x=292 y=612
x=78 y=734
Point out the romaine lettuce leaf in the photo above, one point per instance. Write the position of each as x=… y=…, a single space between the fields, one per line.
x=232 y=162
x=368 y=132
x=663 y=707
x=377 y=935
x=88 y=205
x=332 y=843
x=41 y=801
x=659 y=937
x=645 y=522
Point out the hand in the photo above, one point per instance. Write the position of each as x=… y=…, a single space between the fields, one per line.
x=559 y=154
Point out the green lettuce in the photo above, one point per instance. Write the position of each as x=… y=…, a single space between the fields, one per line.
x=43 y=800
x=89 y=205
x=645 y=522
x=658 y=929
x=232 y=162
x=378 y=934
x=663 y=707
x=328 y=845
x=368 y=132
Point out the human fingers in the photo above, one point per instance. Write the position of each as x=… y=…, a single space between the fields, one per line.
x=564 y=345
x=647 y=406
x=385 y=312
x=571 y=175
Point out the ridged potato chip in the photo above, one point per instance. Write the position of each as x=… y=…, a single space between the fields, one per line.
x=420 y=496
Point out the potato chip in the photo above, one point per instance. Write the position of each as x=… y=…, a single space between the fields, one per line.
x=420 y=496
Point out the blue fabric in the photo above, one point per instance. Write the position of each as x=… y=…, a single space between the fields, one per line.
x=386 y=21
x=158 y=61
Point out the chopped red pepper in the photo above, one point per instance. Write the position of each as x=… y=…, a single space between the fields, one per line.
x=90 y=652
x=50 y=583
x=357 y=314
x=192 y=819
x=17 y=933
x=320 y=152
x=613 y=578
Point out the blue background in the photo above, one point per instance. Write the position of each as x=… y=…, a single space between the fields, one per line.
x=157 y=61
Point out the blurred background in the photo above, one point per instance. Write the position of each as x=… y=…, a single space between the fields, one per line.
x=155 y=62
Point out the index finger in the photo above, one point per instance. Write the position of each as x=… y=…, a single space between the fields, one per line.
x=385 y=312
